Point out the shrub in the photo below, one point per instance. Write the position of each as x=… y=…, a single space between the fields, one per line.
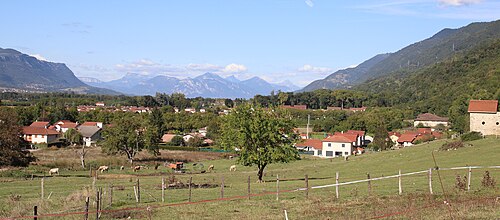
x=487 y=180
x=461 y=183
x=452 y=145
x=471 y=136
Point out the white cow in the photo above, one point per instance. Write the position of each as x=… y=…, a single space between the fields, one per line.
x=210 y=168
x=54 y=171
x=103 y=168
x=232 y=168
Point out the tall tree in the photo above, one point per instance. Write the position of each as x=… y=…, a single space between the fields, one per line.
x=11 y=143
x=126 y=136
x=260 y=136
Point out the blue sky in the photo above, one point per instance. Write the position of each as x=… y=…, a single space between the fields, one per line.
x=298 y=40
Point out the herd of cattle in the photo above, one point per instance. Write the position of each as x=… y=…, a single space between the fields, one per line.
x=174 y=166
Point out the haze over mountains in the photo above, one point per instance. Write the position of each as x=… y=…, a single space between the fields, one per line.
x=441 y=46
x=206 y=85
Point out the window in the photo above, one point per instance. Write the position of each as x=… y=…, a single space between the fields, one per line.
x=483 y=123
x=346 y=153
x=329 y=144
x=343 y=145
x=320 y=152
x=329 y=153
x=338 y=153
x=498 y=123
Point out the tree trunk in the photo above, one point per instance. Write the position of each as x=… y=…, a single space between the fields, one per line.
x=82 y=156
x=260 y=172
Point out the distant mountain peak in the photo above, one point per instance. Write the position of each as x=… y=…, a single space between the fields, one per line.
x=232 y=78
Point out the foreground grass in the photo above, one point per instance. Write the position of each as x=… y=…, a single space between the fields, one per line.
x=71 y=187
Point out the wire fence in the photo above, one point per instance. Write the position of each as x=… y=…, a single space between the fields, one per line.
x=147 y=189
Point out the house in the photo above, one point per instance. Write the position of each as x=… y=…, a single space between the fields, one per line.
x=187 y=137
x=99 y=104
x=90 y=134
x=484 y=116
x=208 y=142
x=38 y=135
x=309 y=145
x=203 y=131
x=430 y=120
x=394 y=136
x=92 y=123
x=167 y=138
x=360 y=139
x=190 y=110
x=40 y=124
x=338 y=145
x=407 y=139
x=65 y=125
x=297 y=107
x=203 y=110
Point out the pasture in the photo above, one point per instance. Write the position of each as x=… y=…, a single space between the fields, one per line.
x=68 y=190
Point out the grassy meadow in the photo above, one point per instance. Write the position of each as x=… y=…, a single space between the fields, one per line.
x=19 y=193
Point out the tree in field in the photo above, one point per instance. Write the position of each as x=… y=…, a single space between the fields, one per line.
x=127 y=136
x=11 y=143
x=263 y=136
x=74 y=137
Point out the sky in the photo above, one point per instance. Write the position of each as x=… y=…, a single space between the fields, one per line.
x=277 y=40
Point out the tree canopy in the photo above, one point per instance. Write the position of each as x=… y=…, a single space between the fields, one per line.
x=260 y=136
x=11 y=143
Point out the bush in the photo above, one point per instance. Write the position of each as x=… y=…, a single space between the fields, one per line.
x=488 y=181
x=452 y=146
x=471 y=136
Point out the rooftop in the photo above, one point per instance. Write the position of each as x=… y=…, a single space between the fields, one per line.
x=483 y=106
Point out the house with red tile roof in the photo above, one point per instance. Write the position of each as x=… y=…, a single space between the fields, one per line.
x=38 y=135
x=313 y=145
x=40 y=124
x=407 y=139
x=430 y=120
x=484 y=116
x=297 y=107
x=338 y=145
x=92 y=123
x=65 y=125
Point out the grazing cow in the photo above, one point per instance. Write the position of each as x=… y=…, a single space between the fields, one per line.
x=54 y=171
x=122 y=168
x=232 y=168
x=137 y=168
x=103 y=168
x=210 y=168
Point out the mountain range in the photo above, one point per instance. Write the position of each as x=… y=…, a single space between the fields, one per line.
x=208 y=85
x=442 y=46
x=19 y=71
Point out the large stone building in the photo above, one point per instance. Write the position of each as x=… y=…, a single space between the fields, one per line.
x=430 y=120
x=484 y=116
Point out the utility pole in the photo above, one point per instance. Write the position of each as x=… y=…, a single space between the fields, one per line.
x=307 y=129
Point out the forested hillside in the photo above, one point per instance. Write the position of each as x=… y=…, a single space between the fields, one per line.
x=446 y=87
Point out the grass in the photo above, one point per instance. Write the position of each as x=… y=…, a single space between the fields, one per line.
x=73 y=185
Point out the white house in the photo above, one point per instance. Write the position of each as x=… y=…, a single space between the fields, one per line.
x=430 y=120
x=407 y=139
x=90 y=134
x=337 y=146
x=65 y=125
x=484 y=117
x=38 y=135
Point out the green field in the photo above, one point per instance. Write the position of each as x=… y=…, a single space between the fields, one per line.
x=69 y=189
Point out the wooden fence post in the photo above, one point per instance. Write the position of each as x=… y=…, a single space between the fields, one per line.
x=110 y=191
x=190 y=188
x=307 y=186
x=138 y=191
x=248 y=192
x=369 y=184
x=35 y=212
x=98 y=202
x=277 y=187
x=41 y=183
x=135 y=193
x=468 y=179
x=337 y=185
x=162 y=189
x=86 y=215
x=400 y=187
x=90 y=173
x=430 y=180
x=222 y=188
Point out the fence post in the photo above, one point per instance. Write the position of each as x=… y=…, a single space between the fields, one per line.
x=41 y=183
x=135 y=193
x=307 y=186
x=248 y=187
x=337 y=185
x=400 y=187
x=90 y=173
x=86 y=215
x=277 y=187
x=468 y=179
x=35 y=212
x=369 y=184
x=94 y=181
x=138 y=191
x=162 y=189
x=222 y=188
x=98 y=202
x=190 y=194
x=430 y=180
x=110 y=191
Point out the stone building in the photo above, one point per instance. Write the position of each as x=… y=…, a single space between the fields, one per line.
x=484 y=116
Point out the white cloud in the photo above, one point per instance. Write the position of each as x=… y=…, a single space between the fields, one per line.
x=234 y=68
x=458 y=2
x=310 y=68
x=207 y=67
x=39 y=57
x=309 y=3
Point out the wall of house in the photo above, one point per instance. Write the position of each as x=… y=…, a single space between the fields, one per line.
x=430 y=123
x=336 y=147
x=491 y=124
x=40 y=138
